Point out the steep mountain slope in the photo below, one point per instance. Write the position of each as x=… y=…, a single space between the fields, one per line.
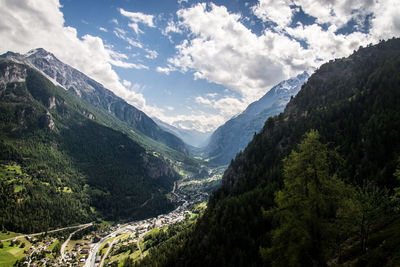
x=191 y=137
x=235 y=134
x=60 y=164
x=93 y=92
x=353 y=104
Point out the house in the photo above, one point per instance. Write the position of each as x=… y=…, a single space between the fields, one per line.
x=85 y=250
x=98 y=258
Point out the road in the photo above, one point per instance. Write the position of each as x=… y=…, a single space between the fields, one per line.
x=108 y=250
x=69 y=238
x=175 y=216
x=91 y=259
x=140 y=248
x=30 y=257
x=51 y=231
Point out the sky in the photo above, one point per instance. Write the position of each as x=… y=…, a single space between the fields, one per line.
x=195 y=64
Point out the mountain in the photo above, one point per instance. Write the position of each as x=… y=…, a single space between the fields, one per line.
x=235 y=134
x=93 y=92
x=318 y=185
x=191 y=137
x=64 y=160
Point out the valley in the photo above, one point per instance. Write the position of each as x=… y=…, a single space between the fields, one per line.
x=256 y=140
x=97 y=245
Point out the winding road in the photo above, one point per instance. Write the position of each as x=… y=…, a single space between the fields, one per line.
x=51 y=231
x=64 y=245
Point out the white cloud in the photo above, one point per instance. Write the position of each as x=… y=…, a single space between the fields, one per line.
x=202 y=100
x=212 y=95
x=136 y=18
x=103 y=29
x=30 y=24
x=277 y=11
x=151 y=54
x=122 y=34
x=135 y=28
x=171 y=27
x=386 y=22
x=165 y=70
x=337 y=12
x=222 y=50
x=126 y=83
x=199 y=122
x=226 y=107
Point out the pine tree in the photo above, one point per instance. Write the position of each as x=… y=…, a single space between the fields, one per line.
x=307 y=206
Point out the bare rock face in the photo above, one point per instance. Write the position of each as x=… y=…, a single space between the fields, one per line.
x=12 y=73
x=88 y=115
x=52 y=102
x=48 y=121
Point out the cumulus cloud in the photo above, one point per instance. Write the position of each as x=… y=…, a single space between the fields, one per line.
x=30 y=24
x=278 y=11
x=103 y=29
x=386 y=20
x=227 y=106
x=220 y=49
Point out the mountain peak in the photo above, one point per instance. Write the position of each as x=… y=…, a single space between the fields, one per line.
x=38 y=52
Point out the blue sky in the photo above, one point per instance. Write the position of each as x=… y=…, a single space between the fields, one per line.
x=195 y=64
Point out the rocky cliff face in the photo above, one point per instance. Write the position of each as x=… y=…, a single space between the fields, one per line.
x=93 y=92
x=12 y=73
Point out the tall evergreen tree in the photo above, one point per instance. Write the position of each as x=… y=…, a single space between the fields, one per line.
x=307 y=206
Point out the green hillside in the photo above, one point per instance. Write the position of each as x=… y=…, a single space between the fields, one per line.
x=317 y=185
x=61 y=163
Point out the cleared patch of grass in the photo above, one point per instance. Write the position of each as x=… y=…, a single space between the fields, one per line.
x=120 y=257
x=8 y=235
x=9 y=255
x=53 y=245
x=6 y=259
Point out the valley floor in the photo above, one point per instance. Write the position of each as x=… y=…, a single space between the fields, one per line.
x=106 y=245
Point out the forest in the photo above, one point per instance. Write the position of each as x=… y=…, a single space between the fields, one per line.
x=60 y=164
x=318 y=185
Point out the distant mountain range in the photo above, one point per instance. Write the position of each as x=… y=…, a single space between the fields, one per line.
x=190 y=137
x=93 y=92
x=235 y=134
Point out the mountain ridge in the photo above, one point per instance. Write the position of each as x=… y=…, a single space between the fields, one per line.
x=93 y=92
x=233 y=136
x=68 y=160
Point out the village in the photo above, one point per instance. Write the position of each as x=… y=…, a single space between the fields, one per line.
x=93 y=244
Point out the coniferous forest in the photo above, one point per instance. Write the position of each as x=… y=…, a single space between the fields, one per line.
x=319 y=185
